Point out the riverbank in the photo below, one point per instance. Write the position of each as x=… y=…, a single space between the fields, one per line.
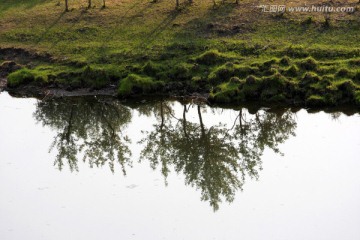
x=226 y=54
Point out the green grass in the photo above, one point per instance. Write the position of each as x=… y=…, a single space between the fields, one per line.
x=357 y=98
x=133 y=84
x=22 y=76
x=316 y=101
x=234 y=52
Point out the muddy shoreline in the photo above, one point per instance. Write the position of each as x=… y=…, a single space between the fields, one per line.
x=310 y=91
x=3 y=83
x=47 y=93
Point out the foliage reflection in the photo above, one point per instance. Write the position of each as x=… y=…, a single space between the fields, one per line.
x=214 y=158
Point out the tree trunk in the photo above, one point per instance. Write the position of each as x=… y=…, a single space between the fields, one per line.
x=184 y=121
x=89 y=5
x=104 y=5
x=177 y=3
x=162 y=115
x=66 y=6
x=240 y=118
x=67 y=130
x=201 y=121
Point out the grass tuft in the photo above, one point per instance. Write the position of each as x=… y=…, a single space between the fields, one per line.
x=315 y=101
x=136 y=84
x=211 y=57
x=95 y=78
x=309 y=64
x=343 y=73
x=20 y=77
x=285 y=61
x=292 y=71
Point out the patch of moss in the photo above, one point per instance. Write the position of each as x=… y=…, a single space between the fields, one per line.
x=222 y=73
x=285 y=61
x=95 y=78
x=292 y=71
x=347 y=87
x=267 y=94
x=220 y=97
x=343 y=72
x=151 y=69
x=180 y=72
x=296 y=51
x=357 y=98
x=245 y=71
x=196 y=79
x=309 y=78
x=236 y=80
x=341 y=92
x=275 y=81
x=226 y=93
x=268 y=64
x=134 y=84
x=328 y=78
x=309 y=64
x=356 y=77
x=270 y=72
x=272 y=86
x=327 y=70
x=319 y=52
x=20 y=77
x=279 y=98
x=322 y=84
x=211 y=57
x=315 y=101
x=251 y=80
x=251 y=89
x=354 y=62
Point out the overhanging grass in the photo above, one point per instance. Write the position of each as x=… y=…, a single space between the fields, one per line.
x=137 y=84
x=137 y=45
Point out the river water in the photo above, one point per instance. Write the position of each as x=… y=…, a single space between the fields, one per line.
x=96 y=168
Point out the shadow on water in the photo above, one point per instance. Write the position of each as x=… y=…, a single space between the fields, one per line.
x=215 y=159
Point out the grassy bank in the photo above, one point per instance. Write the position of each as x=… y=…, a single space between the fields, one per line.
x=230 y=52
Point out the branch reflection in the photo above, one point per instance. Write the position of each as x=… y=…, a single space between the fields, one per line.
x=87 y=127
x=214 y=158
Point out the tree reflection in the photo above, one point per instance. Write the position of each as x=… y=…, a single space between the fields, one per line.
x=215 y=159
x=87 y=127
x=159 y=141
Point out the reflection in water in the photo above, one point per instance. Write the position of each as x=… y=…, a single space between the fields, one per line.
x=94 y=128
x=213 y=158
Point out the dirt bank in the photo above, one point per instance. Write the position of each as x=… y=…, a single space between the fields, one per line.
x=2 y=84
x=24 y=57
x=44 y=93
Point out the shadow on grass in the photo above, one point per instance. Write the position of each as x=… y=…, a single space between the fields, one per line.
x=8 y=4
x=48 y=29
x=70 y=28
x=164 y=24
x=127 y=18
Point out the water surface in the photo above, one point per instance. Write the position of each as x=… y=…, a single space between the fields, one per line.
x=95 y=168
